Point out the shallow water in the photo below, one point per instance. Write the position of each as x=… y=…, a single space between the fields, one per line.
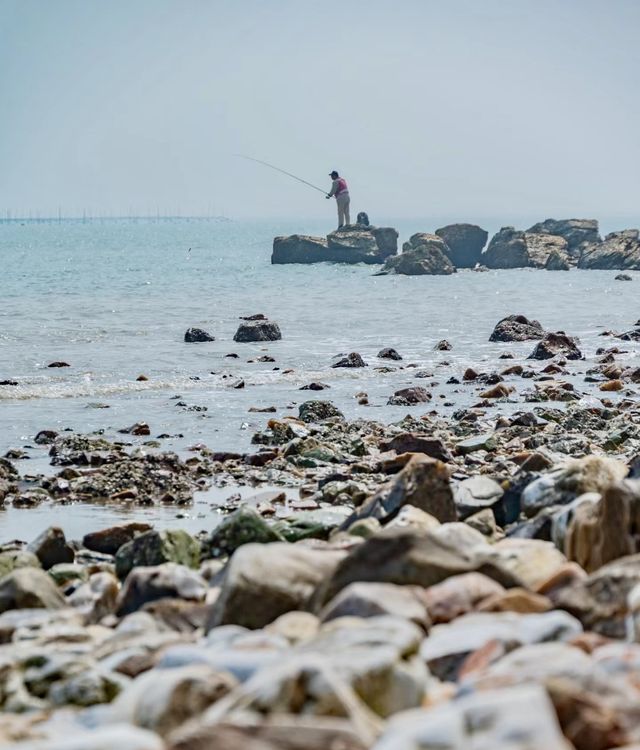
x=113 y=299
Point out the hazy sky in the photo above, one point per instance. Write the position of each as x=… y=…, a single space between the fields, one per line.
x=448 y=107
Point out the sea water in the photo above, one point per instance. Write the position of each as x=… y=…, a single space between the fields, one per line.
x=114 y=298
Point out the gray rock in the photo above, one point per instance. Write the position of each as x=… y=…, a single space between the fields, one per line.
x=557 y=262
x=375 y=599
x=409 y=397
x=424 y=254
x=464 y=243
x=477 y=493
x=263 y=581
x=623 y=277
x=351 y=360
x=577 y=232
x=161 y=700
x=516 y=328
x=556 y=343
x=51 y=548
x=389 y=353
x=620 y=251
x=299 y=248
x=448 y=645
x=509 y=719
x=197 y=335
x=355 y=244
x=29 y=588
x=257 y=330
x=318 y=411
x=146 y=584
x=421 y=558
x=510 y=248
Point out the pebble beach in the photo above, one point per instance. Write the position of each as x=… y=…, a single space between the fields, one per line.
x=245 y=505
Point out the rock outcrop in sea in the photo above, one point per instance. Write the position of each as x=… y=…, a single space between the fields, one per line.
x=353 y=244
x=553 y=245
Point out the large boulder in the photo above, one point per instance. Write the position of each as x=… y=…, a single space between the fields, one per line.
x=511 y=248
x=464 y=243
x=517 y=328
x=423 y=483
x=263 y=581
x=423 y=255
x=257 y=330
x=353 y=244
x=576 y=232
x=619 y=251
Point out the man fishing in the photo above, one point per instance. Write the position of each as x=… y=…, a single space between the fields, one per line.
x=340 y=191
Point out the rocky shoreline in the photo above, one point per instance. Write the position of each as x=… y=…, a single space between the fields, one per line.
x=408 y=579
x=554 y=245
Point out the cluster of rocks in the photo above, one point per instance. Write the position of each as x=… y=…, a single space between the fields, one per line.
x=449 y=582
x=555 y=245
x=253 y=328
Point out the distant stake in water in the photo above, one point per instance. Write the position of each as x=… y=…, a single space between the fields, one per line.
x=271 y=166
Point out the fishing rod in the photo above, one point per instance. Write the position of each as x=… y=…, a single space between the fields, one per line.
x=271 y=166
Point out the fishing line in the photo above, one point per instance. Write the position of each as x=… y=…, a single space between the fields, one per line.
x=283 y=171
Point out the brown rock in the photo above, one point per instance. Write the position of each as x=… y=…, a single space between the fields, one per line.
x=515 y=600
x=612 y=385
x=498 y=391
x=423 y=483
x=411 y=442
